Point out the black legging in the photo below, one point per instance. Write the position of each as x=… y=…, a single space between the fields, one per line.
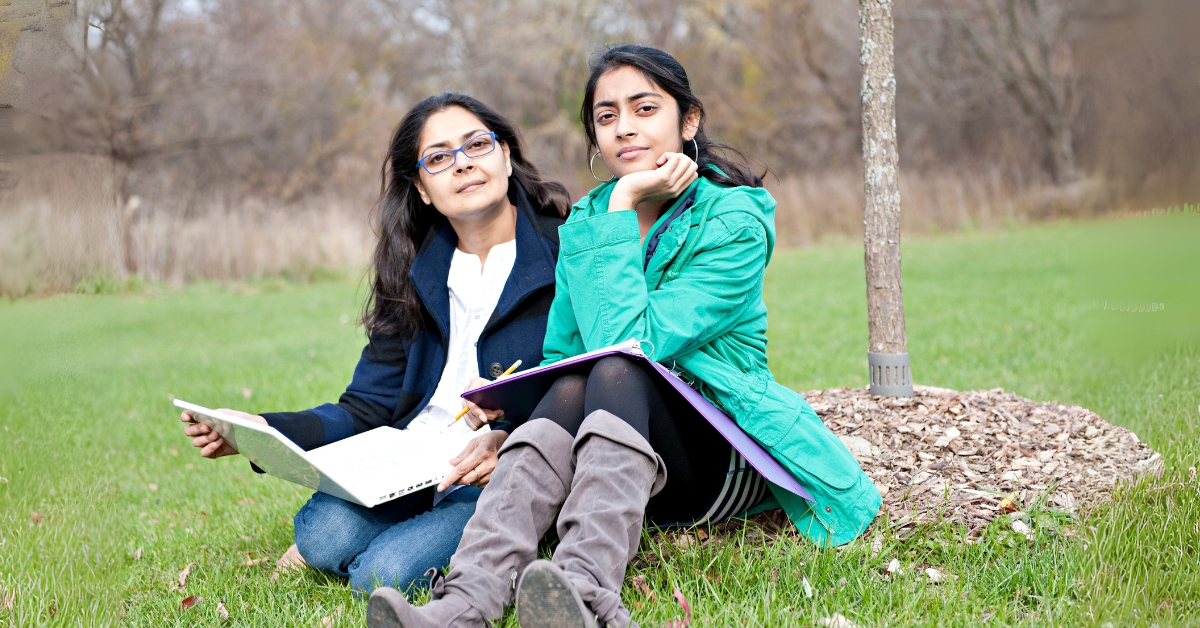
x=695 y=454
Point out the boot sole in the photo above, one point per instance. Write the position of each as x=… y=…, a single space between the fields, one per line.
x=546 y=599
x=381 y=609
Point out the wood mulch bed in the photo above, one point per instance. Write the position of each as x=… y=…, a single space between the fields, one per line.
x=969 y=457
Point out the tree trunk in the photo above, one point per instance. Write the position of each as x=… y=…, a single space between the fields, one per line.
x=886 y=354
x=1062 y=153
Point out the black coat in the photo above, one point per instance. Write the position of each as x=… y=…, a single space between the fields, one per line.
x=395 y=378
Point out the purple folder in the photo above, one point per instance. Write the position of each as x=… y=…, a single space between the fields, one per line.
x=520 y=393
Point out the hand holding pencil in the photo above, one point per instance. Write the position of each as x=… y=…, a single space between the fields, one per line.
x=478 y=417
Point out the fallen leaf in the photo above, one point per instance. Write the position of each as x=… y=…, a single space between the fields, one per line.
x=221 y=610
x=894 y=567
x=836 y=621
x=639 y=585
x=935 y=576
x=684 y=541
x=190 y=601
x=687 y=612
x=1008 y=504
x=876 y=546
x=808 y=590
x=328 y=622
x=36 y=518
x=137 y=554
x=701 y=534
x=183 y=576
x=291 y=560
x=1020 y=528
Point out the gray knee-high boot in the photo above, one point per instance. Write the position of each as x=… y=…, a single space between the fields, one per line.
x=518 y=506
x=600 y=526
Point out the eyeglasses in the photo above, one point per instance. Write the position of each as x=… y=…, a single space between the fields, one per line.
x=442 y=160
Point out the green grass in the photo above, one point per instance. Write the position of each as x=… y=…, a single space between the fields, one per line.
x=89 y=441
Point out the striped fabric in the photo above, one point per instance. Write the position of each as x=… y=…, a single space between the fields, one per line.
x=744 y=488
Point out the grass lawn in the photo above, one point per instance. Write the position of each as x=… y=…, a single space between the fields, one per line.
x=90 y=443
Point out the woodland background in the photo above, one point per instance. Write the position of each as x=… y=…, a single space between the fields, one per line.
x=172 y=140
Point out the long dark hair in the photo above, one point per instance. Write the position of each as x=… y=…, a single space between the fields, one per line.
x=664 y=71
x=393 y=307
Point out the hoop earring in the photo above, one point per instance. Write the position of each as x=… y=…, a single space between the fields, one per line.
x=591 y=162
x=697 y=147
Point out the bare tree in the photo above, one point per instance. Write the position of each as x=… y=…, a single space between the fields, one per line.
x=1027 y=44
x=217 y=110
x=887 y=355
x=782 y=80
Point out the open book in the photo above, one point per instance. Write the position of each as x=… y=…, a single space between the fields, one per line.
x=368 y=468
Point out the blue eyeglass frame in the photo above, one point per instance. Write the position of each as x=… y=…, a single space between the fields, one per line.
x=461 y=149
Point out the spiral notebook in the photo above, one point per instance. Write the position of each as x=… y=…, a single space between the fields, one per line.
x=520 y=393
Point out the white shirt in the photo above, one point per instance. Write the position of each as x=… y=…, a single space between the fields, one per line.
x=474 y=292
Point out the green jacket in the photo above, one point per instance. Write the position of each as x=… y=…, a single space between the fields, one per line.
x=699 y=305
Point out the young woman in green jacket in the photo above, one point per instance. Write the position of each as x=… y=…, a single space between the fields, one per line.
x=670 y=251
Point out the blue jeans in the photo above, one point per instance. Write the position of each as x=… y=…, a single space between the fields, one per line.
x=392 y=544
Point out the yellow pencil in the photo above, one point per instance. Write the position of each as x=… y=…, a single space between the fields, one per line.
x=462 y=413
x=510 y=370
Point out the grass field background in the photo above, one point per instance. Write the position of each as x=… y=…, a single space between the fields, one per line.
x=90 y=443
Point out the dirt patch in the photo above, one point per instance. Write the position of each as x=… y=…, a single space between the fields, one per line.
x=969 y=457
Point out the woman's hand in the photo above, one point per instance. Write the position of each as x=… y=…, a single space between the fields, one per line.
x=674 y=174
x=478 y=417
x=475 y=464
x=207 y=439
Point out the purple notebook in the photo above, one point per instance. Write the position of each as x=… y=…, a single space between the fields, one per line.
x=520 y=393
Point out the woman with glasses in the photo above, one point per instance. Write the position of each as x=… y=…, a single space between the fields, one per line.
x=671 y=251
x=463 y=279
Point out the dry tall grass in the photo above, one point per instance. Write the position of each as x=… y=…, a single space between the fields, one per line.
x=61 y=222
x=817 y=206
x=250 y=240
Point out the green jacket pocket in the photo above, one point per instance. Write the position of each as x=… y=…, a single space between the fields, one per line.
x=806 y=443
